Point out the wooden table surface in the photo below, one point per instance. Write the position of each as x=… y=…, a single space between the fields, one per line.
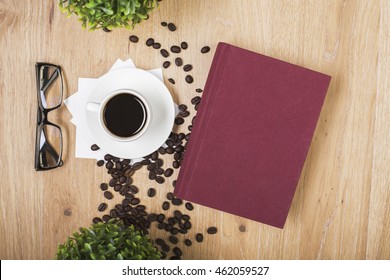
x=341 y=209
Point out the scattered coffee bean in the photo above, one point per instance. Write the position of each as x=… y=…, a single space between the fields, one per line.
x=178 y=61
x=199 y=90
x=172 y=81
x=188 y=225
x=117 y=187
x=95 y=147
x=156 y=45
x=165 y=248
x=177 y=201
x=151 y=192
x=189 y=79
x=173 y=239
x=160 y=242
x=159 y=162
x=135 y=201
x=100 y=163
x=185 y=217
x=184 y=114
x=160 y=218
x=174 y=231
x=137 y=166
x=175 y=49
x=212 y=230
x=163 y=255
x=170 y=196
x=113 y=213
x=97 y=220
x=177 y=251
x=171 y=26
x=152 y=166
x=109 y=165
x=133 y=189
x=165 y=205
x=190 y=127
x=188 y=242
x=154 y=155
x=205 y=49
x=108 y=195
x=179 y=120
x=189 y=206
x=195 y=100
x=133 y=39
x=174 y=184
x=166 y=64
x=168 y=172
x=103 y=186
x=163 y=23
x=106 y=218
x=176 y=164
x=187 y=67
x=161 y=151
x=108 y=157
x=183 y=107
x=159 y=171
x=169 y=150
x=160 y=180
x=242 y=228
x=152 y=217
x=184 y=45
x=150 y=42
x=164 y=52
x=199 y=237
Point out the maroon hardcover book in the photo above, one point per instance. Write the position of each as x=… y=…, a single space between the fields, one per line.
x=251 y=135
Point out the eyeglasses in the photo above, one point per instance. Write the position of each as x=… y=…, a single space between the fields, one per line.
x=48 y=141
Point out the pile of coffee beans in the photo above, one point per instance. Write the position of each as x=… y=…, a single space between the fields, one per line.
x=131 y=210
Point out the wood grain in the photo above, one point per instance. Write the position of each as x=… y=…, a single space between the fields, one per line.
x=341 y=209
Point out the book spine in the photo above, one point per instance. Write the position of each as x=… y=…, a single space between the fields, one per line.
x=205 y=107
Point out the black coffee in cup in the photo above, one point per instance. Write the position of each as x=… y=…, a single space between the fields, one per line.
x=124 y=115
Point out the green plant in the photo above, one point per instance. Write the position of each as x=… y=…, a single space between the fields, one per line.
x=109 y=241
x=108 y=14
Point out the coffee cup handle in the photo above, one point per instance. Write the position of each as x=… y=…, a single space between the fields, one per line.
x=93 y=107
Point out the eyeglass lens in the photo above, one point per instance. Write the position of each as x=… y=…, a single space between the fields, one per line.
x=50 y=85
x=50 y=141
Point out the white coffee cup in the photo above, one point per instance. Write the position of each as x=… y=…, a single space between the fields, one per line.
x=107 y=112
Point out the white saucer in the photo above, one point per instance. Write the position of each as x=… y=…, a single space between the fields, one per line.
x=161 y=105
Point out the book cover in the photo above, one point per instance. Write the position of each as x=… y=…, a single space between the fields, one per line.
x=251 y=135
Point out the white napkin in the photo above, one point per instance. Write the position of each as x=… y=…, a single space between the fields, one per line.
x=76 y=105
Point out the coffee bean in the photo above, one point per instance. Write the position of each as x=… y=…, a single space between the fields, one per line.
x=134 y=212
x=183 y=107
x=160 y=242
x=160 y=218
x=176 y=164
x=179 y=120
x=100 y=163
x=117 y=187
x=174 y=231
x=135 y=201
x=165 y=248
x=177 y=251
x=95 y=147
x=109 y=165
x=187 y=137
x=177 y=214
x=205 y=49
x=108 y=195
x=150 y=42
x=172 y=81
x=152 y=166
x=184 y=114
x=145 y=162
x=212 y=230
x=152 y=175
x=174 y=183
x=190 y=127
x=175 y=49
x=165 y=205
x=177 y=201
x=170 y=196
x=185 y=217
x=156 y=46
x=188 y=242
x=97 y=220
x=164 y=52
x=129 y=173
x=160 y=180
x=189 y=79
x=159 y=171
x=177 y=156
x=137 y=166
x=168 y=228
x=103 y=186
x=166 y=64
x=123 y=179
x=159 y=162
x=181 y=136
x=189 y=206
x=106 y=218
x=152 y=217
x=169 y=150
x=168 y=172
x=170 y=143
x=108 y=157
x=163 y=23
x=199 y=237
x=133 y=189
x=171 y=26
x=178 y=61
x=199 y=90
x=118 y=165
x=195 y=100
x=133 y=39
x=119 y=207
x=184 y=45
x=173 y=239
x=187 y=67
x=188 y=225
x=113 y=213
x=126 y=161
x=161 y=225
x=151 y=192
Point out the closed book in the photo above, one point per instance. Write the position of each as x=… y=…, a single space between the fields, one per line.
x=251 y=135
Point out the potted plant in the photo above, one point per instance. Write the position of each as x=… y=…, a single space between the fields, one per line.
x=108 y=241
x=107 y=15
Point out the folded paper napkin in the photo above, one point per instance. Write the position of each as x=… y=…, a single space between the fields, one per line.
x=76 y=105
